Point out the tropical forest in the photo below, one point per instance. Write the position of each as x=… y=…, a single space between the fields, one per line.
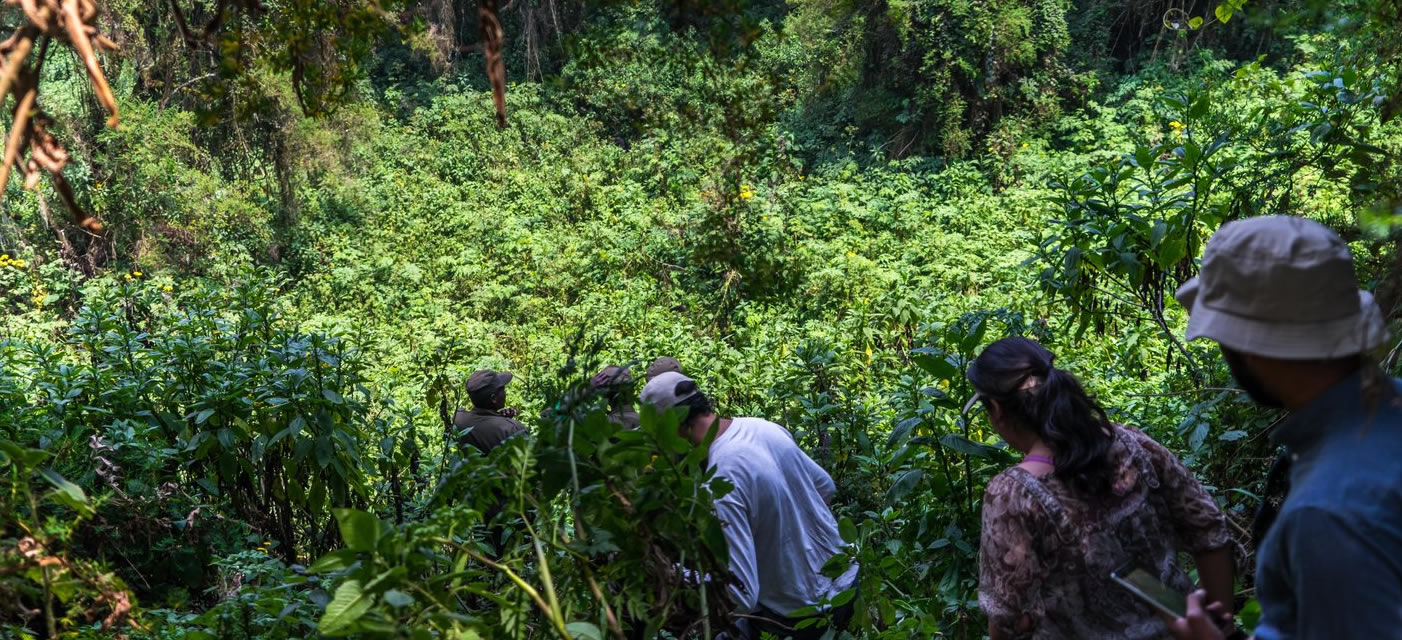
x=255 y=250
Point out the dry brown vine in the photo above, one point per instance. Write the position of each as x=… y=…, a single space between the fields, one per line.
x=492 y=40
x=73 y=22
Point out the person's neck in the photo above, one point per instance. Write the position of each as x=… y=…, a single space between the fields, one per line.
x=1040 y=449
x=721 y=426
x=1038 y=459
x=1304 y=388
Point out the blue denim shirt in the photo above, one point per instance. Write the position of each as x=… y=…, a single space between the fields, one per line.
x=1331 y=566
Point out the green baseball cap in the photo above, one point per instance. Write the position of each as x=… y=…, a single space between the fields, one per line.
x=487 y=380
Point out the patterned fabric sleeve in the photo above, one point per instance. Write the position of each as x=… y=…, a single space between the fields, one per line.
x=1198 y=524
x=1010 y=564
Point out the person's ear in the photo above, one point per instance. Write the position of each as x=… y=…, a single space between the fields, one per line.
x=995 y=411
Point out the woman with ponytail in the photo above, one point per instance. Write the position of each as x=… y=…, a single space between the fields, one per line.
x=1088 y=497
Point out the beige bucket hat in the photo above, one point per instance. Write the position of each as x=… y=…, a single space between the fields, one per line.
x=1281 y=287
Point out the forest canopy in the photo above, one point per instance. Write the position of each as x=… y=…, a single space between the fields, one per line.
x=251 y=251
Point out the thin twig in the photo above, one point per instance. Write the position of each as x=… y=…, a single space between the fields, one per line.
x=764 y=619
x=609 y=617
x=182 y=85
x=1184 y=393
x=520 y=583
x=1390 y=360
x=1270 y=428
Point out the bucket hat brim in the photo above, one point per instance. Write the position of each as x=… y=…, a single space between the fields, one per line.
x=1347 y=336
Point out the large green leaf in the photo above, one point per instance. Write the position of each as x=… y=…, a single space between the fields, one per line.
x=348 y=605
x=964 y=445
x=360 y=530
x=584 y=630
x=386 y=580
x=26 y=457
x=847 y=530
x=398 y=599
x=67 y=493
x=934 y=362
x=902 y=431
x=334 y=561
x=904 y=484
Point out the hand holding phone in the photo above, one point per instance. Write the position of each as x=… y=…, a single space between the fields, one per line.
x=1203 y=623
x=1191 y=619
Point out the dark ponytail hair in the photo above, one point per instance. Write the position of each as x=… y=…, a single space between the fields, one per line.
x=1034 y=394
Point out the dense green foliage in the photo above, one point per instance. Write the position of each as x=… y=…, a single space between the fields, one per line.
x=225 y=418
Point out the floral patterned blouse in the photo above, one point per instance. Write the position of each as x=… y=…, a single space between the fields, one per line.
x=1048 y=552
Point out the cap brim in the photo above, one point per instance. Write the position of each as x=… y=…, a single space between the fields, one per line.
x=1359 y=333
x=503 y=379
x=970 y=404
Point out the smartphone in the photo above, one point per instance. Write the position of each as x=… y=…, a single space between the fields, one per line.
x=1151 y=590
x=1164 y=598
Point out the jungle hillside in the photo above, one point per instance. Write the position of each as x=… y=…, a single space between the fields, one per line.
x=253 y=249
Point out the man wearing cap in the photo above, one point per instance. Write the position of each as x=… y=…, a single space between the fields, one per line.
x=610 y=382
x=663 y=365
x=489 y=423
x=1280 y=297
x=777 y=523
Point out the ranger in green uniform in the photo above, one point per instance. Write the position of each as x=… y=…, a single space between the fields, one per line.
x=489 y=423
x=663 y=365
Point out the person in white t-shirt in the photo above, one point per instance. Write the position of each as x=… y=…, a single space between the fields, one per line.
x=776 y=520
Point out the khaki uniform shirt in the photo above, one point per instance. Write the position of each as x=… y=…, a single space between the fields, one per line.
x=484 y=428
x=624 y=417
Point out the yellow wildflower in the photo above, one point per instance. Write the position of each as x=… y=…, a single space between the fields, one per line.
x=746 y=192
x=136 y=273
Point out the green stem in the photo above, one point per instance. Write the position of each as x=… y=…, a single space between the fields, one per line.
x=574 y=478
x=520 y=583
x=705 y=613
x=555 y=615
